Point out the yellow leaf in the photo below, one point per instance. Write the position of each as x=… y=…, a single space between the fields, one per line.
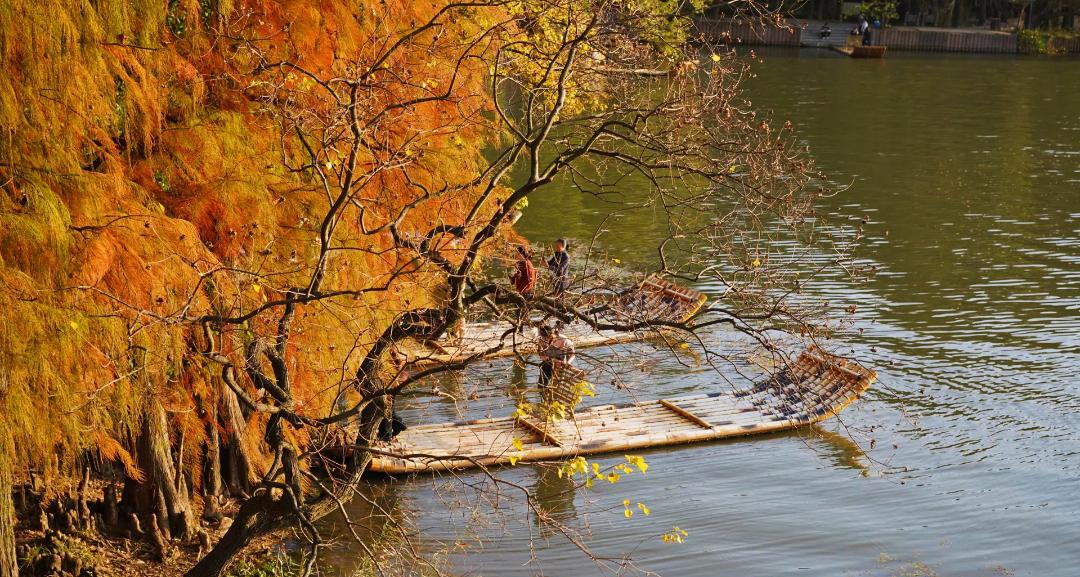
x=644 y=510
x=628 y=513
x=637 y=461
x=518 y=445
x=676 y=535
x=716 y=58
x=626 y=503
x=514 y=459
x=255 y=288
x=613 y=477
x=616 y=261
x=757 y=262
x=684 y=345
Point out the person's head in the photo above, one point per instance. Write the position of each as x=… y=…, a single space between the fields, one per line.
x=560 y=245
x=545 y=331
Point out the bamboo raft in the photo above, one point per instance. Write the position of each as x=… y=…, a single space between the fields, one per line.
x=815 y=387
x=654 y=300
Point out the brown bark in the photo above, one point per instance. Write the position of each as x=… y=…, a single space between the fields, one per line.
x=9 y=566
x=81 y=502
x=158 y=493
x=158 y=539
x=259 y=515
x=236 y=461
x=267 y=512
x=211 y=483
x=112 y=513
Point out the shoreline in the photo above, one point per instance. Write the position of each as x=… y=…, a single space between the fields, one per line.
x=800 y=33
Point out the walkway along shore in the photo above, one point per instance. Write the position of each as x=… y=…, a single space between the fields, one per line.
x=908 y=38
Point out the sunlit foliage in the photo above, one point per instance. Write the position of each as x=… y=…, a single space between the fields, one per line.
x=140 y=171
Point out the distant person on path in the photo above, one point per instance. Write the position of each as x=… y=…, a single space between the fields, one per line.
x=556 y=349
x=826 y=31
x=524 y=277
x=559 y=265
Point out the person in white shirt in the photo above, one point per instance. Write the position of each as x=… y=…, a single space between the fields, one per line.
x=555 y=349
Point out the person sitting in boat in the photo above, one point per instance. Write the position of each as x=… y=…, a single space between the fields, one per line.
x=559 y=265
x=826 y=31
x=556 y=350
x=524 y=277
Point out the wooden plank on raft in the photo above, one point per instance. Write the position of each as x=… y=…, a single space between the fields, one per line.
x=542 y=431
x=685 y=414
x=815 y=387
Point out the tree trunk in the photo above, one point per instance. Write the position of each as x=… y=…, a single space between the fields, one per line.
x=9 y=565
x=158 y=493
x=258 y=515
x=112 y=513
x=211 y=482
x=235 y=459
x=265 y=513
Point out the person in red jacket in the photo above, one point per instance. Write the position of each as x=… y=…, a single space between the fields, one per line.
x=524 y=277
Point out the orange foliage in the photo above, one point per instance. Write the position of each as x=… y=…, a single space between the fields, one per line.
x=135 y=161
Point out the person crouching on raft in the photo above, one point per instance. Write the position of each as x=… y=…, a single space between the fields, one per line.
x=556 y=349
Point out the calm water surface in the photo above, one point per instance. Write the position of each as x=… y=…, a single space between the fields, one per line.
x=969 y=171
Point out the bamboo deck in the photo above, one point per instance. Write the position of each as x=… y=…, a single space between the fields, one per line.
x=655 y=299
x=815 y=387
x=484 y=339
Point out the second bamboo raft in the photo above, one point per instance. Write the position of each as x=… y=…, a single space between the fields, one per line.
x=813 y=388
x=654 y=300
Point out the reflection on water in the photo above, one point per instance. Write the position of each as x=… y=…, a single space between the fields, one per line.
x=554 y=494
x=844 y=451
x=964 y=459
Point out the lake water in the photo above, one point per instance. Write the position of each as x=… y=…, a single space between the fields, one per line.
x=969 y=171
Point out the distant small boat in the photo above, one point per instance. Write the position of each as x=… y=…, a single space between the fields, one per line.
x=860 y=51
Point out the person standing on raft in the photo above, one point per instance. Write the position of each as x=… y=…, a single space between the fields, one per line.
x=524 y=277
x=559 y=265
